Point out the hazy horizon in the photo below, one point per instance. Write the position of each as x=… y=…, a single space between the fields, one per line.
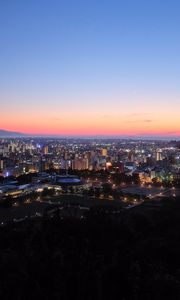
x=136 y=137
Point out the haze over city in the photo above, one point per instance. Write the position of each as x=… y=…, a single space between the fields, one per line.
x=90 y=68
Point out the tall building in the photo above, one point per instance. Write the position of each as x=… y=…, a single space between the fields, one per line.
x=80 y=164
x=45 y=150
x=1 y=164
x=131 y=157
x=158 y=155
x=104 y=152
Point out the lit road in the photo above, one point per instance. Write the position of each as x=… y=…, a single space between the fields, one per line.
x=170 y=192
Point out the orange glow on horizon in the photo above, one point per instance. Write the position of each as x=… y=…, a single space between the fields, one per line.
x=89 y=132
x=89 y=123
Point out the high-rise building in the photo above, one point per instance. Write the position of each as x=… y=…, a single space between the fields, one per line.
x=158 y=155
x=131 y=157
x=1 y=164
x=45 y=150
x=104 y=152
x=80 y=164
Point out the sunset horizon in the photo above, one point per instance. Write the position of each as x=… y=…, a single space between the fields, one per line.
x=90 y=69
x=175 y=135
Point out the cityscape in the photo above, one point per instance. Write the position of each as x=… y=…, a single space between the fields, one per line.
x=44 y=170
x=89 y=150
x=84 y=190
x=151 y=159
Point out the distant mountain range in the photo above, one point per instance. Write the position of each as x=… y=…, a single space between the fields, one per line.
x=14 y=134
x=6 y=133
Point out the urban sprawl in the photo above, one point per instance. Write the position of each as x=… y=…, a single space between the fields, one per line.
x=40 y=172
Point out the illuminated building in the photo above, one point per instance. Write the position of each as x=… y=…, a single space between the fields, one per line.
x=1 y=164
x=104 y=152
x=158 y=155
x=45 y=150
x=80 y=164
x=108 y=165
x=130 y=157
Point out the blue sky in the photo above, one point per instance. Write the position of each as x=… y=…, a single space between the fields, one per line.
x=109 y=58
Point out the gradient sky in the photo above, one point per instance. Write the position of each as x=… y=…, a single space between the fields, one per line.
x=88 y=67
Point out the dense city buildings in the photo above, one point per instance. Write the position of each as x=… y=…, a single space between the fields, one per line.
x=158 y=160
x=132 y=169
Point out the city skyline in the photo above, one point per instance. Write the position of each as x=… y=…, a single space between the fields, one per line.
x=88 y=69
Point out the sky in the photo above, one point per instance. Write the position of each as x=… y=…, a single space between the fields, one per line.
x=98 y=67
